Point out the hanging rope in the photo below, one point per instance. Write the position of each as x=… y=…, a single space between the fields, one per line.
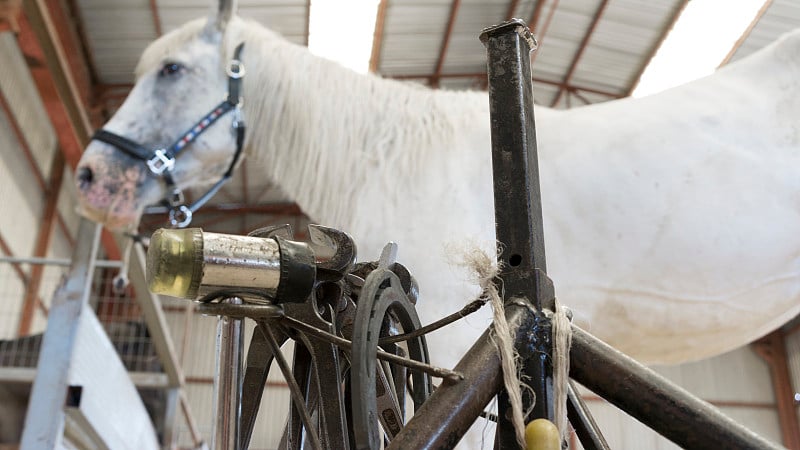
x=485 y=270
x=562 y=341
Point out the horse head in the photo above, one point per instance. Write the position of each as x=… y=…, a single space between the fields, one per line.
x=172 y=132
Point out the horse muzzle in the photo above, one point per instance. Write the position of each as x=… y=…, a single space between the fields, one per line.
x=110 y=192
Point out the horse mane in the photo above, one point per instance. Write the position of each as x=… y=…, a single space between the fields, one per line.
x=338 y=129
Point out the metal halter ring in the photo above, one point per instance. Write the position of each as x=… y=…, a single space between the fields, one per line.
x=161 y=162
x=180 y=216
x=236 y=69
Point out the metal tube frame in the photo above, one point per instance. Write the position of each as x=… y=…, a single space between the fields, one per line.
x=228 y=382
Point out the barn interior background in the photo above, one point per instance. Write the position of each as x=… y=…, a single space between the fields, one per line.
x=66 y=65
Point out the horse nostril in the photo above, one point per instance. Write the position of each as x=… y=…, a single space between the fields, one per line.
x=85 y=176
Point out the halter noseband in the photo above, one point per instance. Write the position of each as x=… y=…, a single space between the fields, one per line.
x=161 y=161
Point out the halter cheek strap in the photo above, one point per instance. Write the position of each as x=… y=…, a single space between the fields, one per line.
x=161 y=161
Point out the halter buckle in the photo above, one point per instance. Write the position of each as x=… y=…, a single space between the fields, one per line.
x=161 y=162
x=180 y=217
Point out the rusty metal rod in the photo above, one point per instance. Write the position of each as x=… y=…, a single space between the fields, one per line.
x=346 y=345
x=655 y=401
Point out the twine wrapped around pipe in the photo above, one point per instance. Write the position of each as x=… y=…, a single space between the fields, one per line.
x=485 y=270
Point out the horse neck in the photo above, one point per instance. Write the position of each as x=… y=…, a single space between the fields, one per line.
x=329 y=133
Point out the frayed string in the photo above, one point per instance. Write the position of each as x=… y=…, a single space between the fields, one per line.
x=562 y=341
x=485 y=270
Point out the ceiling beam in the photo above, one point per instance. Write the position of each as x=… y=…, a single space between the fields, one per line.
x=37 y=172
x=676 y=14
x=81 y=43
x=38 y=40
x=746 y=32
x=43 y=238
x=9 y=11
x=536 y=14
x=437 y=72
x=308 y=20
x=377 y=36
x=156 y=18
x=482 y=75
x=540 y=32
x=581 y=48
x=772 y=348
x=512 y=8
x=57 y=88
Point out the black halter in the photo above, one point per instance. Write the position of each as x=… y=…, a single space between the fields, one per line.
x=161 y=162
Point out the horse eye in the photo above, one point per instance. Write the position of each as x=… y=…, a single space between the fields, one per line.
x=171 y=68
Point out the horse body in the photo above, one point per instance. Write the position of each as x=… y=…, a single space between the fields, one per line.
x=670 y=221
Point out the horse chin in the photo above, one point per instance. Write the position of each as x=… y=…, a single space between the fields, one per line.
x=118 y=209
x=119 y=217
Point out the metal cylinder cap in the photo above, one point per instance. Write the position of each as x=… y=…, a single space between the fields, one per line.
x=175 y=262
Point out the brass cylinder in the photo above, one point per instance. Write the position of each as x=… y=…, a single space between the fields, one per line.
x=189 y=262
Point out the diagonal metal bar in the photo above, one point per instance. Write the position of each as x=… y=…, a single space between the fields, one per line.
x=583 y=422
x=653 y=400
x=297 y=394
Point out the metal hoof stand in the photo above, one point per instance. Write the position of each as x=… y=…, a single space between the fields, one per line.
x=350 y=371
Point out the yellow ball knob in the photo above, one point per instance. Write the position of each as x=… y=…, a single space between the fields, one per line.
x=541 y=434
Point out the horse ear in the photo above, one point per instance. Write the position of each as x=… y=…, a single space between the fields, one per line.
x=221 y=13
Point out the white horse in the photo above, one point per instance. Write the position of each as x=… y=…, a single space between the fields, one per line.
x=671 y=222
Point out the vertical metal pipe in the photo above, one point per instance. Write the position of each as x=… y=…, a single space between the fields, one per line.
x=518 y=212
x=44 y=420
x=227 y=382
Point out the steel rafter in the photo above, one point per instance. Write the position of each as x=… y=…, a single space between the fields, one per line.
x=482 y=76
x=437 y=72
x=57 y=88
x=746 y=32
x=156 y=17
x=584 y=43
x=540 y=33
x=676 y=14
x=377 y=36
x=23 y=277
x=772 y=349
x=536 y=14
x=35 y=169
x=308 y=20
x=45 y=232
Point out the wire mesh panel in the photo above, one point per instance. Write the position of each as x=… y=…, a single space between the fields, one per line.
x=120 y=315
x=117 y=311
x=20 y=347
